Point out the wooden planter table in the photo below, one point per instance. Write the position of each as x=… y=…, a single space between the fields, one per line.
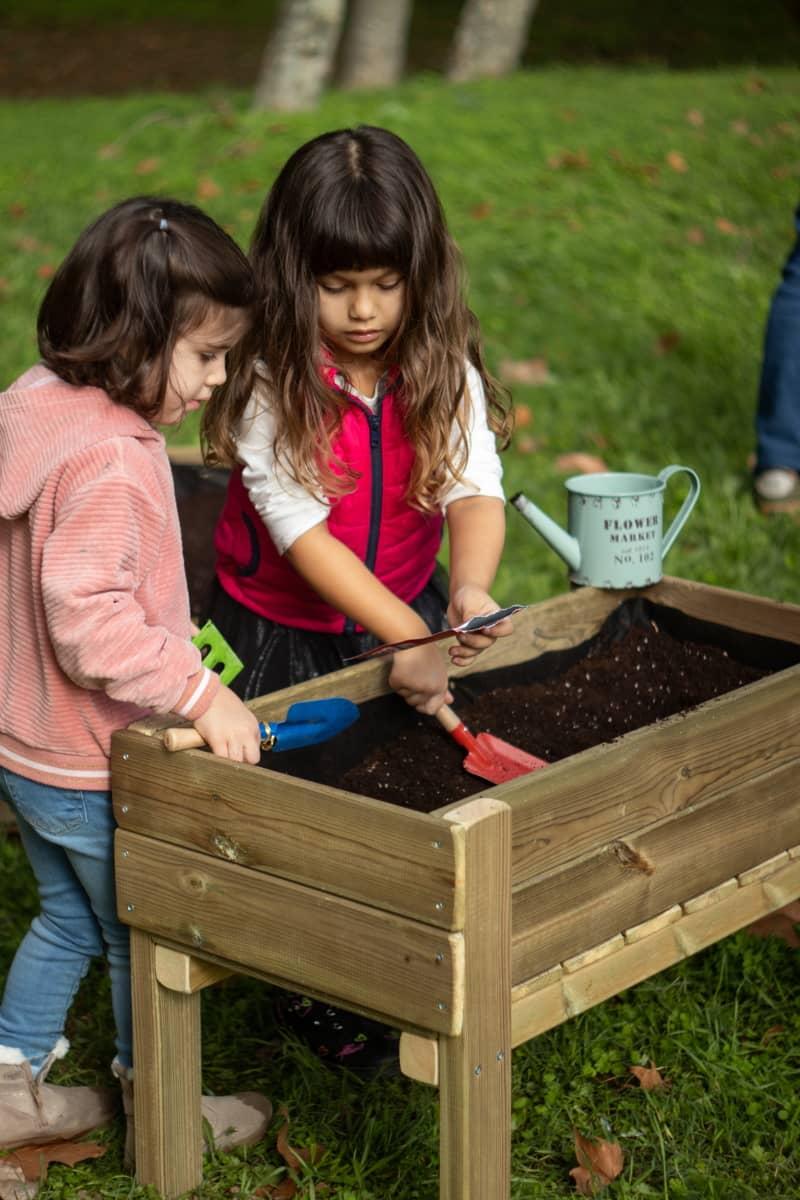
x=473 y=928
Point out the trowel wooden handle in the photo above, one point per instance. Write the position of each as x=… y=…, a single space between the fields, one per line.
x=452 y=722
x=182 y=737
x=448 y=719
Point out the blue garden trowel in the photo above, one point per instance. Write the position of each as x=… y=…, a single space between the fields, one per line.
x=307 y=721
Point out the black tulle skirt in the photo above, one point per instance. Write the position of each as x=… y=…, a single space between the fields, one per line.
x=277 y=656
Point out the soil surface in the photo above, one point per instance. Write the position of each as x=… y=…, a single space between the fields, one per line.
x=647 y=663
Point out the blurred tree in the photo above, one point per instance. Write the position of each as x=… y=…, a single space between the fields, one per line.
x=490 y=37
x=374 y=50
x=299 y=55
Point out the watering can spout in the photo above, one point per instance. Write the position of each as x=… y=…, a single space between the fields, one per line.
x=565 y=546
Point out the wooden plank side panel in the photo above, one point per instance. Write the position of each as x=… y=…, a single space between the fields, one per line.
x=723 y=606
x=643 y=777
x=303 y=935
x=374 y=853
x=632 y=879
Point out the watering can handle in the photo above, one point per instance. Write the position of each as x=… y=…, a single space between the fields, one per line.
x=687 y=506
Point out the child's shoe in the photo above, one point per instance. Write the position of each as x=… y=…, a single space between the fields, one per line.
x=238 y=1120
x=777 y=489
x=33 y=1112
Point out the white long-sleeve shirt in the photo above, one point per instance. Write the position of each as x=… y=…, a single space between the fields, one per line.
x=289 y=510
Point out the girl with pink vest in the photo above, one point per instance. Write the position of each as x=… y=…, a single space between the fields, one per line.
x=362 y=422
x=94 y=616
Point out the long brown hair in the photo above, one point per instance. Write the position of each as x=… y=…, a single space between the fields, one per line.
x=142 y=275
x=355 y=199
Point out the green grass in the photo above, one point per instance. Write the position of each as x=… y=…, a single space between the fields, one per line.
x=584 y=247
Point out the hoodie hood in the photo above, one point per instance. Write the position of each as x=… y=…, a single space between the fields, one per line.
x=44 y=422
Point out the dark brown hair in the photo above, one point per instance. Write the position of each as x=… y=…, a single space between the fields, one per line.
x=139 y=277
x=355 y=199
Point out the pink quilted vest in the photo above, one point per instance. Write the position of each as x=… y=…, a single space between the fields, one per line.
x=398 y=543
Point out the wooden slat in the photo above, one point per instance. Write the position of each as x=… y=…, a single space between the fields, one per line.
x=543 y=1002
x=181 y=972
x=685 y=760
x=724 y=606
x=419 y=1058
x=629 y=881
x=301 y=934
x=379 y=854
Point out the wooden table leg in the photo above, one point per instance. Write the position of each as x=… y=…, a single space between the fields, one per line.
x=167 y=1077
x=475 y=1068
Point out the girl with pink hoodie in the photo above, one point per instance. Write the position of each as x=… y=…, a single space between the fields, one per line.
x=95 y=629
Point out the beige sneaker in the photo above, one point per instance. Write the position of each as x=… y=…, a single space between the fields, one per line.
x=33 y=1112
x=238 y=1120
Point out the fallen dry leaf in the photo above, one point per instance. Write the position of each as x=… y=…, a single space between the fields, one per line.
x=294 y=1158
x=695 y=235
x=725 y=226
x=739 y=126
x=207 y=188
x=479 y=212
x=569 y=160
x=533 y=371
x=585 y=1182
x=522 y=416
x=776 y=924
x=146 y=166
x=285 y=1190
x=695 y=117
x=583 y=464
x=34 y=1160
x=526 y=444
x=599 y=1161
x=650 y=1078
x=677 y=162
x=667 y=341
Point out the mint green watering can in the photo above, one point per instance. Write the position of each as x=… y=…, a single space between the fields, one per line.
x=614 y=520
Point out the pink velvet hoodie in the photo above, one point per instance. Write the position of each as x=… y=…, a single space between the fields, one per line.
x=94 y=609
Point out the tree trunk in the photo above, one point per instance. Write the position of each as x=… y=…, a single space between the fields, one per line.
x=490 y=38
x=374 y=52
x=299 y=55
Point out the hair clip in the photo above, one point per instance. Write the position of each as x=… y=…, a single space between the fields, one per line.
x=162 y=224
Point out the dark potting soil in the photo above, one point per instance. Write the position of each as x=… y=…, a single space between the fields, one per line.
x=647 y=662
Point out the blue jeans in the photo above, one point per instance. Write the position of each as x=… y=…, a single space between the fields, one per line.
x=69 y=839
x=778 y=415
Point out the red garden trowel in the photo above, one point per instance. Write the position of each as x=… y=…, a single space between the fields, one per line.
x=307 y=721
x=488 y=756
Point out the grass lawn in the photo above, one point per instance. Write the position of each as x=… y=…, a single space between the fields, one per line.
x=626 y=228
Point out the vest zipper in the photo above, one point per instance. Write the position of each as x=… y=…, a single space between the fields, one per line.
x=376 y=495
